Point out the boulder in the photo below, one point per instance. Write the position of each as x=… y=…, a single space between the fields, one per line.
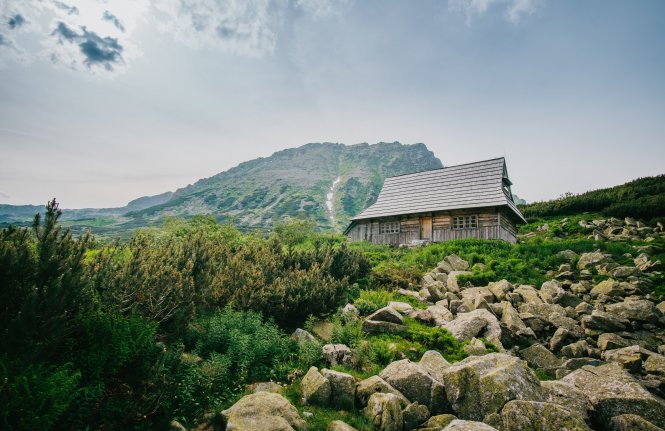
x=440 y=315
x=454 y=262
x=316 y=389
x=335 y=354
x=641 y=310
x=511 y=318
x=630 y=358
x=608 y=287
x=376 y=327
x=559 y=339
x=476 y=323
x=655 y=364
x=343 y=388
x=611 y=391
x=481 y=385
x=630 y=422
x=540 y=416
x=436 y=290
x=529 y=294
x=351 y=313
x=375 y=384
x=551 y=292
x=461 y=425
x=475 y=348
x=340 y=426
x=500 y=289
x=578 y=349
x=384 y=412
x=437 y=423
x=588 y=260
x=263 y=411
x=474 y=294
x=386 y=314
x=452 y=283
x=302 y=337
x=538 y=356
x=602 y=321
x=610 y=341
x=434 y=363
x=566 y=395
x=416 y=384
x=414 y=414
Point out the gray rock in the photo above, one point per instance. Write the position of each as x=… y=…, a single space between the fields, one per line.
x=302 y=337
x=335 y=354
x=340 y=426
x=529 y=294
x=511 y=318
x=384 y=412
x=481 y=385
x=375 y=384
x=630 y=422
x=415 y=383
x=386 y=314
x=588 y=260
x=414 y=414
x=540 y=416
x=611 y=391
x=316 y=389
x=343 y=388
x=602 y=321
x=375 y=327
x=475 y=348
x=566 y=395
x=610 y=341
x=500 y=288
x=537 y=356
x=655 y=364
x=575 y=350
x=456 y=263
x=440 y=315
x=608 y=287
x=462 y=425
x=476 y=323
x=263 y=411
x=641 y=310
x=434 y=363
x=551 y=292
x=438 y=422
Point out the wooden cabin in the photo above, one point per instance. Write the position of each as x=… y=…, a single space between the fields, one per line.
x=473 y=200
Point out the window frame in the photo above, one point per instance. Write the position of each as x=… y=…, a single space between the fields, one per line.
x=465 y=222
x=389 y=227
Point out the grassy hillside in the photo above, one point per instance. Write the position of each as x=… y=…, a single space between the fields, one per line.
x=295 y=182
x=642 y=198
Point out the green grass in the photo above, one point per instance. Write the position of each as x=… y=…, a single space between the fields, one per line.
x=323 y=416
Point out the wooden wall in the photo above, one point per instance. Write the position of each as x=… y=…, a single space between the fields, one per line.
x=493 y=223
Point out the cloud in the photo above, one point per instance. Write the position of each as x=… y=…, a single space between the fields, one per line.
x=108 y=16
x=95 y=50
x=243 y=27
x=514 y=10
x=323 y=8
x=16 y=21
x=70 y=10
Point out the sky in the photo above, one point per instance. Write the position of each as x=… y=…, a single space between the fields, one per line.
x=104 y=101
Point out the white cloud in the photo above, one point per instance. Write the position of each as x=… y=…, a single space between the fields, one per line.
x=97 y=36
x=515 y=10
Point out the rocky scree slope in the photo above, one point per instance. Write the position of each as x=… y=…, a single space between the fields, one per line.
x=572 y=354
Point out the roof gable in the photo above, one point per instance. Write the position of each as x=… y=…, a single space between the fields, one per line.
x=471 y=185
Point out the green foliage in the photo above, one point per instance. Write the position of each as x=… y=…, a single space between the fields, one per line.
x=372 y=300
x=643 y=198
x=34 y=396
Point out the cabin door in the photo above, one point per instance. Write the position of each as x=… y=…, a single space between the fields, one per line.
x=426 y=228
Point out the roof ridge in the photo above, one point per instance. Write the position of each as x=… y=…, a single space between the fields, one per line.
x=448 y=167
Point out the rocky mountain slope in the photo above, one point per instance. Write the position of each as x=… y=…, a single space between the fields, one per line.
x=583 y=351
x=328 y=183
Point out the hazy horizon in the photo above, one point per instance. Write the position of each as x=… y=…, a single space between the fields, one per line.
x=106 y=102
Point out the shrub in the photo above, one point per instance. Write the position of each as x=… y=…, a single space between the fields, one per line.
x=372 y=300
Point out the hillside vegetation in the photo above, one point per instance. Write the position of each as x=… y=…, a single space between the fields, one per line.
x=643 y=198
x=292 y=183
x=178 y=321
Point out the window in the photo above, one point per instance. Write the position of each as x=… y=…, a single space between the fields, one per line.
x=465 y=222
x=389 y=227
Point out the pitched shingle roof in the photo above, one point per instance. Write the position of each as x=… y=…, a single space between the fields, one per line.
x=472 y=185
